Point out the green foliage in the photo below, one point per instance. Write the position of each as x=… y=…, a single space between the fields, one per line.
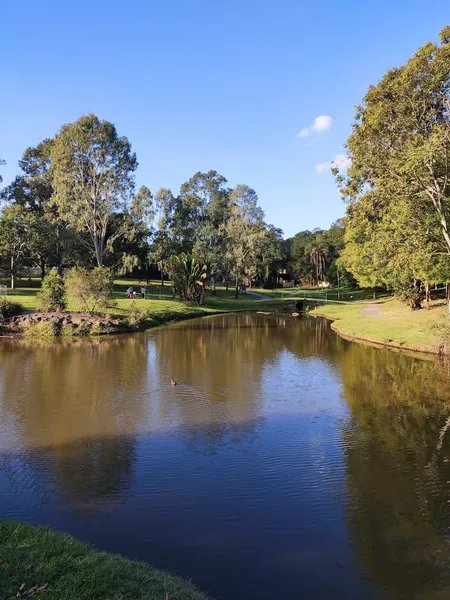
x=407 y=290
x=90 y=290
x=398 y=188
x=9 y=309
x=92 y=170
x=189 y=278
x=52 y=296
x=136 y=316
x=43 y=329
x=245 y=233
x=314 y=256
x=14 y=229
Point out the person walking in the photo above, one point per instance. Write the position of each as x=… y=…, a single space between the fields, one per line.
x=143 y=292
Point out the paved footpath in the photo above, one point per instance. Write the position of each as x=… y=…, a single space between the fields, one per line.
x=261 y=296
x=373 y=310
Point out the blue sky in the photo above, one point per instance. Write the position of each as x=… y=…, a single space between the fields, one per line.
x=218 y=84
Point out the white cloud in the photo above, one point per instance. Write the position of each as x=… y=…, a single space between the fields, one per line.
x=321 y=123
x=323 y=167
x=340 y=161
x=303 y=132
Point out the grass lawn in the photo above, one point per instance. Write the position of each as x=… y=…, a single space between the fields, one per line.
x=344 y=294
x=38 y=563
x=160 y=304
x=395 y=324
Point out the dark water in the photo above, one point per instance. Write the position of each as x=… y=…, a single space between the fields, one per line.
x=287 y=463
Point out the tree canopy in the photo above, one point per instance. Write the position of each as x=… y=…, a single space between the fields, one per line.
x=92 y=175
x=398 y=184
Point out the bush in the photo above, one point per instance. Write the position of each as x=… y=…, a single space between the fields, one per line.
x=44 y=329
x=90 y=290
x=189 y=277
x=9 y=309
x=407 y=290
x=52 y=296
x=136 y=316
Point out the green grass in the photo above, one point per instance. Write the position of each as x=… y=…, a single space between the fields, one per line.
x=344 y=294
x=160 y=305
x=64 y=568
x=422 y=330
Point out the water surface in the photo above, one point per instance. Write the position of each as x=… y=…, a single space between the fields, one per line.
x=286 y=463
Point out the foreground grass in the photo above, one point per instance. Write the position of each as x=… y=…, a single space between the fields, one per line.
x=39 y=563
x=396 y=325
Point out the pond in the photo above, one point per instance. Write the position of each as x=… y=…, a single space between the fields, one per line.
x=286 y=463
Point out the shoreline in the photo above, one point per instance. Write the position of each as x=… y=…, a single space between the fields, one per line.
x=61 y=326
x=41 y=561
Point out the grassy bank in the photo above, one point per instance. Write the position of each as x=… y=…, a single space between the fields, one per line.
x=158 y=307
x=391 y=323
x=38 y=563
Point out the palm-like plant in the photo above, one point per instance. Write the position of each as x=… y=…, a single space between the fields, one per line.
x=189 y=277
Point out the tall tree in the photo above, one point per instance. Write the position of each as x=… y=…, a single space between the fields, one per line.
x=245 y=229
x=92 y=170
x=13 y=238
x=33 y=190
x=400 y=144
x=163 y=245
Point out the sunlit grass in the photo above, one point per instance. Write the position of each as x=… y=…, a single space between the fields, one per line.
x=37 y=562
x=159 y=300
x=396 y=324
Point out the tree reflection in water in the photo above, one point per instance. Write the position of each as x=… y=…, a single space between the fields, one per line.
x=273 y=412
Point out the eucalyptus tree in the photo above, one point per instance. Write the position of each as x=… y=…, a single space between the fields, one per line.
x=400 y=150
x=92 y=176
x=244 y=230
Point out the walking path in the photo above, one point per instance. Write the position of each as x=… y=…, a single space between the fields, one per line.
x=261 y=296
x=373 y=310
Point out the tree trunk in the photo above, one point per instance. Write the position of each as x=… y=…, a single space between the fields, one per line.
x=427 y=295
x=13 y=273
x=415 y=304
x=447 y=287
x=213 y=286
x=162 y=278
x=42 y=266
x=374 y=294
x=237 y=288
x=98 y=248
x=226 y=282
x=58 y=251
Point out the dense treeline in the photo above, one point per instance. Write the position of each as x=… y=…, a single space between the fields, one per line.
x=75 y=203
x=312 y=257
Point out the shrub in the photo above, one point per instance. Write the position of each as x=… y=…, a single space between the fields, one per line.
x=44 y=329
x=136 y=316
x=407 y=290
x=9 y=309
x=52 y=296
x=189 y=277
x=90 y=290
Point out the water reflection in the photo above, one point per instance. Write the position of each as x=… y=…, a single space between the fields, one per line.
x=284 y=452
x=398 y=469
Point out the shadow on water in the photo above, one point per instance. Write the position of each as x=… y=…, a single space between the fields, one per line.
x=287 y=461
